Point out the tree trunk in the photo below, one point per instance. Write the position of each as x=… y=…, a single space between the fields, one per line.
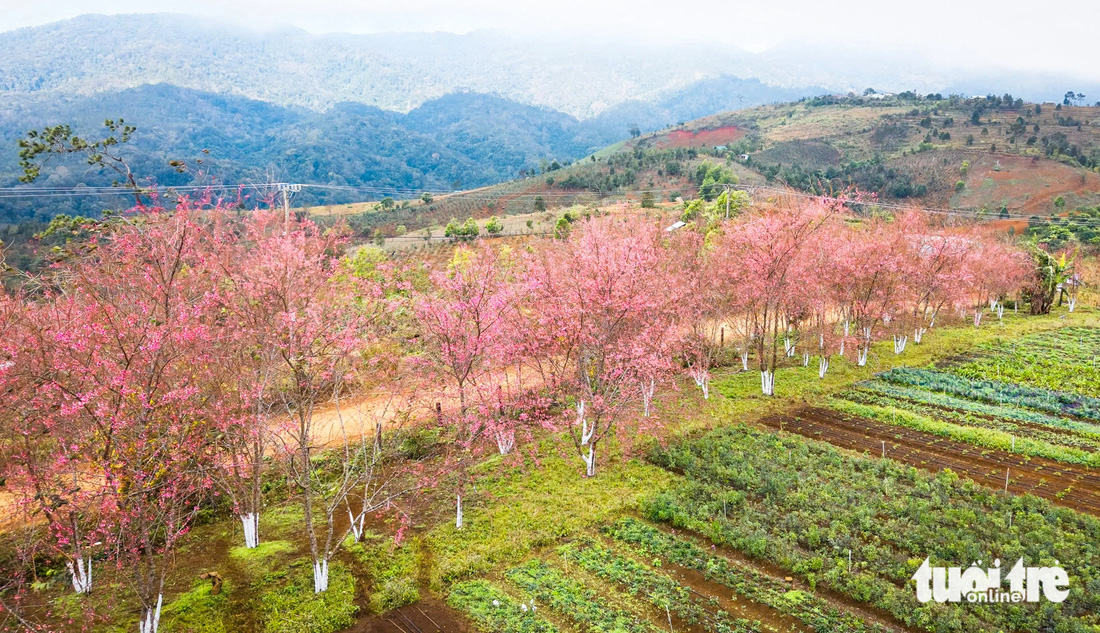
x=320 y=576
x=250 y=521
x=150 y=617
x=767 y=382
x=81 y=574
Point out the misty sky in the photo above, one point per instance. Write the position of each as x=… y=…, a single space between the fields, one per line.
x=1050 y=35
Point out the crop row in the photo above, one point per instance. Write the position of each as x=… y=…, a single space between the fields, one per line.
x=495 y=611
x=947 y=402
x=997 y=392
x=818 y=614
x=658 y=589
x=570 y=597
x=1063 y=360
x=890 y=413
x=804 y=506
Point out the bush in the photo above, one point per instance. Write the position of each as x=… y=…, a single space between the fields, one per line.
x=494 y=226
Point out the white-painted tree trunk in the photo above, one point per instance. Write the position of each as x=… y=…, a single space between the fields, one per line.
x=251 y=523
x=861 y=355
x=590 y=462
x=458 y=512
x=586 y=439
x=978 y=317
x=899 y=343
x=1072 y=303
x=842 y=340
x=745 y=361
x=767 y=382
x=846 y=324
x=81 y=574
x=805 y=359
x=702 y=379
x=1001 y=311
x=320 y=576
x=788 y=347
x=822 y=366
x=357 y=524
x=918 y=334
x=506 y=440
x=150 y=618
x=648 y=389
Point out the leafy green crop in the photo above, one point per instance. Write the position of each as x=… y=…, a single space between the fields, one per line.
x=802 y=505
x=495 y=611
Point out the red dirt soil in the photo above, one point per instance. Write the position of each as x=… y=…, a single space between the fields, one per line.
x=700 y=138
x=1067 y=485
x=1026 y=184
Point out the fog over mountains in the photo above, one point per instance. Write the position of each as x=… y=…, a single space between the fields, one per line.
x=415 y=110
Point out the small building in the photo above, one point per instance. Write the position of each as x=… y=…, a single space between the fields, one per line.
x=675 y=225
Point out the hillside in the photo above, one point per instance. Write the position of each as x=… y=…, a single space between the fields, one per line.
x=1013 y=155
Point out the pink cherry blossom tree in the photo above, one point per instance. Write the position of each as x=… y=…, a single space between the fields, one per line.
x=598 y=306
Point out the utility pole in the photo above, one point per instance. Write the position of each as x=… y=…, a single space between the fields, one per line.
x=287 y=189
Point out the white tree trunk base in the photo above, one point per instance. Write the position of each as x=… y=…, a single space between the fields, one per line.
x=458 y=512
x=81 y=574
x=822 y=367
x=150 y=618
x=251 y=524
x=506 y=441
x=320 y=576
x=899 y=344
x=745 y=361
x=767 y=382
x=861 y=356
x=589 y=462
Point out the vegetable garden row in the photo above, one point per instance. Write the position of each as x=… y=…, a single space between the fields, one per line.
x=641 y=579
x=861 y=526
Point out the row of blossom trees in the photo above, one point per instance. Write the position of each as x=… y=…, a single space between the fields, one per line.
x=603 y=318
x=172 y=360
x=178 y=355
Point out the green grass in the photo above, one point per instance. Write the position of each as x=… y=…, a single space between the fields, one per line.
x=197 y=611
x=287 y=604
x=535 y=507
x=393 y=570
x=259 y=559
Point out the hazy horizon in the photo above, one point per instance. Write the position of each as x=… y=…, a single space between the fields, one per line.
x=1006 y=36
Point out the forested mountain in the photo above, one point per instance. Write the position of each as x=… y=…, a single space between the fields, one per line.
x=410 y=110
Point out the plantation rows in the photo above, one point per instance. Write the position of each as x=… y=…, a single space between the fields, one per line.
x=1019 y=421
x=1063 y=360
x=929 y=448
x=996 y=392
x=657 y=597
x=806 y=507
